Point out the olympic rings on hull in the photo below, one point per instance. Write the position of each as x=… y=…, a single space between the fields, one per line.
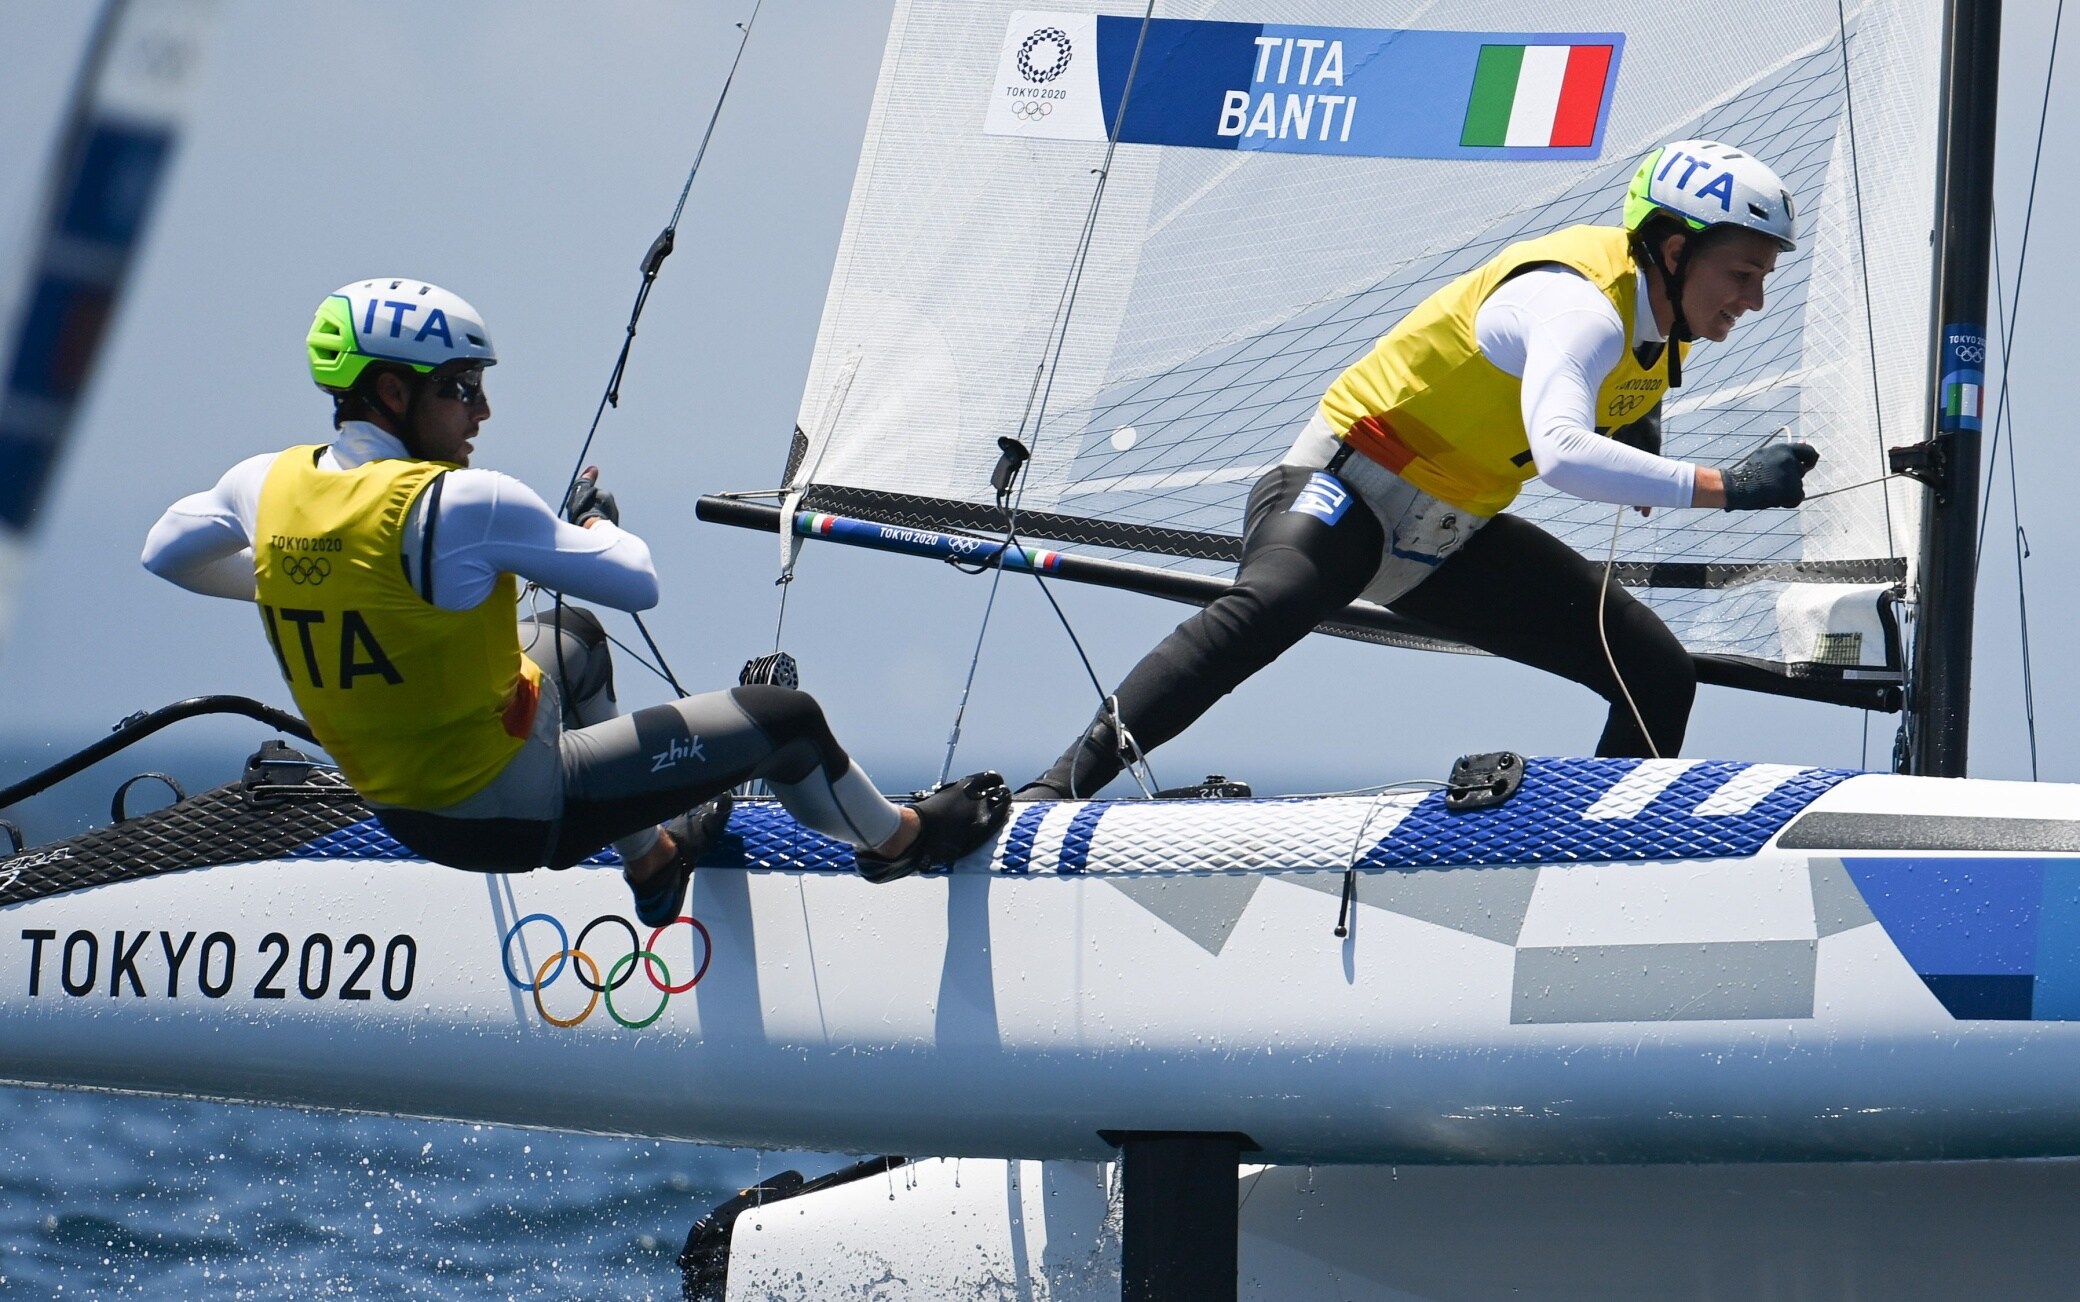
x=602 y=987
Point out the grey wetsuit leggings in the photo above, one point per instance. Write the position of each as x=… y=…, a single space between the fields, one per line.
x=587 y=775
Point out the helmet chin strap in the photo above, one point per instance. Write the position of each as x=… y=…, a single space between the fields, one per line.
x=1679 y=331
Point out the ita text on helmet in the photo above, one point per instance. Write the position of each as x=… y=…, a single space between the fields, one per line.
x=406 y=323
x=1703 y=184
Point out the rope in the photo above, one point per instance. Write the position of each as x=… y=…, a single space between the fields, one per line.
x=1035 y=414
x=960 y=709
x=1137 y=767
x=1050 y=362
x=1610 y=563
x=653 y=262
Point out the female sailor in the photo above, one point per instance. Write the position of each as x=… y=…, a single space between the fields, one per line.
x=1551 y=360
x=385 y=573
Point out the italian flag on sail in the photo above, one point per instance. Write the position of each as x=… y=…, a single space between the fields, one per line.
x=1536 y=96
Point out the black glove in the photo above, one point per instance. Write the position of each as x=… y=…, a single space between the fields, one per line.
x=588 y=501
x=1644 y=433
x=1772 y=475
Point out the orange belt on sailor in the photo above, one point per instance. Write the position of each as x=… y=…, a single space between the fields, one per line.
x=1376 y=440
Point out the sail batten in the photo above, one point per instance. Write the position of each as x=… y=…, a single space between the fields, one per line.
x=1232 y=272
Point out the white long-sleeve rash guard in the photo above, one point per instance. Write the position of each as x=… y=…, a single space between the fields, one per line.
x=486 y=524
x=1556 y=332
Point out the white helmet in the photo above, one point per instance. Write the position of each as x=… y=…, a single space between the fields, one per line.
x=405 y=322
x=1705 y=184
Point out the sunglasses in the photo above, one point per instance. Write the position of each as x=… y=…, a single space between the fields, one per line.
x=467 y=389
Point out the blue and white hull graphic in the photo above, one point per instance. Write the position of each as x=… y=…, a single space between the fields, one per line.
x=1629 y=961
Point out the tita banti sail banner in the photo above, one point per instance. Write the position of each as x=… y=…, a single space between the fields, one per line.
x=1290 y=178
x=1313 y=90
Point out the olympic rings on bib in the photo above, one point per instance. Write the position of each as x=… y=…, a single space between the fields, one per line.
x=586 y=969
x=313 y=570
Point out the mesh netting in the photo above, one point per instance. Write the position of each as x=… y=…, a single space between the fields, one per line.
x=1224 y=290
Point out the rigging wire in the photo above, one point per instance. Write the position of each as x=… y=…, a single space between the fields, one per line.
x=1035 y=414
x=1138 y=767
x=1870 y=334
x=1863 y=266
x=784 y=583
x=1040 y=392
x=2029 y=689
x=1850 y=488
x=653 y=262
x=2029 y=686
x=1051 y=364
x=2006 y=312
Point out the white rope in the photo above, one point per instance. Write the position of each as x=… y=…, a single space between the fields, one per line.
x=1610 y=563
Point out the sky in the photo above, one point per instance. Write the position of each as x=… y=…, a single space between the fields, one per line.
x=524 y=155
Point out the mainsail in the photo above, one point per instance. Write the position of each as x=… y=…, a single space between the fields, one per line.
x=1287 y=183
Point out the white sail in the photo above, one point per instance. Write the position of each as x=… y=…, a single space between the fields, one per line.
x=1283 y=192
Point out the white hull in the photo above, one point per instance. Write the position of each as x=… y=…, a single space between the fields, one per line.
x=1185 y=979
x=1049 y=1232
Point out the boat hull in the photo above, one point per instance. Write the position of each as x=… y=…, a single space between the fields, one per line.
x=1050 y=1231
x=1142 y=966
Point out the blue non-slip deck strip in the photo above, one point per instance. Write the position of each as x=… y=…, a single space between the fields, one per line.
x=1076 y=845
x=1018 y=847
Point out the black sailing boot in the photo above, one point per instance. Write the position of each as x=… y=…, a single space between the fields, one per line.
x=1091 y=762
x=956 y=818
x=659 y=899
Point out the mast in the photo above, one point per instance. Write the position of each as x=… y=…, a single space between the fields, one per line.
x=1937 y=723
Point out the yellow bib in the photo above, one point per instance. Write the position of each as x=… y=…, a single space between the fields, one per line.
x=420 y=706
x=1426 y=403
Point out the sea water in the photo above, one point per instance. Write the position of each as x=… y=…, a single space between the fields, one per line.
x=116 y=1196
x=107 y=1196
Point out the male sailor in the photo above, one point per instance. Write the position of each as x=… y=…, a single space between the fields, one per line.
x=1551 y=360
x=385 y=573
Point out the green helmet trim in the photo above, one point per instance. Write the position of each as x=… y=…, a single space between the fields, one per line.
x=1737 y=189
x=336 y=356
x=1638 y=207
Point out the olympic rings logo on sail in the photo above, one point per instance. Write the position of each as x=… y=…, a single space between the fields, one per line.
x=306 y=569
x=586 y=969
x=1054 y=36
x=1031 y=110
